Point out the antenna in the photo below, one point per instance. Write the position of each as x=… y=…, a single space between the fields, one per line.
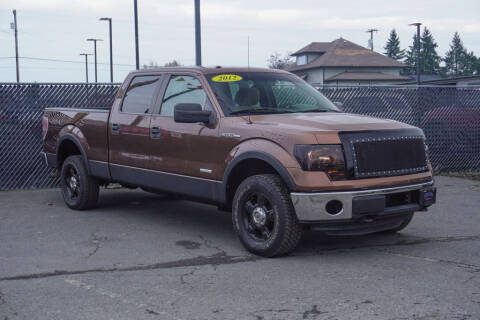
x=248 y=52
x=371 y=31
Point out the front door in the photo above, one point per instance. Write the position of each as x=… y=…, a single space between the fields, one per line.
x=183 y=148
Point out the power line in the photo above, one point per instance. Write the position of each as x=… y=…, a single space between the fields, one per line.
x=68 y=61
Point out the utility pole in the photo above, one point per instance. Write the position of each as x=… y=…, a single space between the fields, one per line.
x=417 y=58
x=371 y=31
x=86 y=64
x=95 y=54
x=111 y=54
x=16 y=43
x=137 y=59
x=198 y=35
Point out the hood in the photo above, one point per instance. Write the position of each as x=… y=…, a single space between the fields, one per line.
x=320 y=124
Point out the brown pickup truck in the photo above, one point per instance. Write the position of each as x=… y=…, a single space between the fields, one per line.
x=260 y=143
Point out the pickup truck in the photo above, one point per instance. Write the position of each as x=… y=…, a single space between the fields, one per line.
x=260 y=143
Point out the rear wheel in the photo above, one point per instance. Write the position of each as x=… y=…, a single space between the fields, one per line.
x=264 y=217
x=79 y=190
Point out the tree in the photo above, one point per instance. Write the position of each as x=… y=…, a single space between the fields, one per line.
x=458 y=61
x=173 y=63
x=429 y=59
x=150 y=65
x=392 y=48
x=411 y=56
x=277 y=61
x=455 y=57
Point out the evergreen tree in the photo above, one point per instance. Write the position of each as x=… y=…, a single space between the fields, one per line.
x=392 y=48
x=411 y=57
x=455 y=58
x=458 y=61
x=429 y=59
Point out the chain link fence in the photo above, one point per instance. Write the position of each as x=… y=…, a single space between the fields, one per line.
x=449 y=116
x=21 y=109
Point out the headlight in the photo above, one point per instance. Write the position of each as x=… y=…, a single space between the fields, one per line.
x=327 y=158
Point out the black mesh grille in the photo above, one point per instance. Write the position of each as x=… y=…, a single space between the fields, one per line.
x=388 y=156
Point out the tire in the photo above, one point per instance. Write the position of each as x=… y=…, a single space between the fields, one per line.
x=402 y=226
x=81 y=193
x=264 y=218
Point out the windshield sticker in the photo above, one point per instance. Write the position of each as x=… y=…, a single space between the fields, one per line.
x=227 y=78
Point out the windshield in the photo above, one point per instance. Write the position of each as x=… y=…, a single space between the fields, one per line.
x=243 y=93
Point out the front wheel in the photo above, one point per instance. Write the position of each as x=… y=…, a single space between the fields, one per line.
x=79 y=190
x=264 y=217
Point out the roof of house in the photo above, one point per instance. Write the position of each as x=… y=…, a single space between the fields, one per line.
x=343 y=53
x=373 y=76
x=314 y=47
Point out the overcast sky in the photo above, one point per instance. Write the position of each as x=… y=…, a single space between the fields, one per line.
x=57 y=29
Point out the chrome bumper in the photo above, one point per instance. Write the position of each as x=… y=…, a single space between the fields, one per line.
x=311 y=207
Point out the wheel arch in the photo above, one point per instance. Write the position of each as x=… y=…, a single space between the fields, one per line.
x=68 y=145
x=247 y=164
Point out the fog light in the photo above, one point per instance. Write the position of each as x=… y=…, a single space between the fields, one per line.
x=334 y=207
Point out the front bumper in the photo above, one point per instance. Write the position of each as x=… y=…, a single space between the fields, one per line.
x=361 y=204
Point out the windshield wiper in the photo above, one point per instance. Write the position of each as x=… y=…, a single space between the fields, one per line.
x=317 y=110
x=256 y=111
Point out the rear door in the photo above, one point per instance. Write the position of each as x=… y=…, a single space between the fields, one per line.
x=129 y=127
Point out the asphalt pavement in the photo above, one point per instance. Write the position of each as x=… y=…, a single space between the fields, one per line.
x=144 y=256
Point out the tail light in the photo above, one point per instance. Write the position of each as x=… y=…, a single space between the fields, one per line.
x=44 y=126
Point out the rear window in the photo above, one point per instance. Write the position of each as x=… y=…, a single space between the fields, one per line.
x=139 y=95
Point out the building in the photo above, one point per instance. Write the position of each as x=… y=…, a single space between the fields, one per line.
x=342 y=62
x=461 y=81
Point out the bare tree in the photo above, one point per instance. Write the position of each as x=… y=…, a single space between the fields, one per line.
x=277 y=61
x=173 y=63
x=150 y=65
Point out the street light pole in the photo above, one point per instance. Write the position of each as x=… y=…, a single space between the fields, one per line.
x=371 y=31
x=417 y=58
x=135 y=13
x=198 y=35
x=16 y=44
x=111 y=54
x=95 y=53
x=86 y=64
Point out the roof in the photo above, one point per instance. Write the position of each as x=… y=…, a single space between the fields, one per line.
x=365 y=76
x=314 y=47
x=427 y=79
x=206 y=70
x=343 y=53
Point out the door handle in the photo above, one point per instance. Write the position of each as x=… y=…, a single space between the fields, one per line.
x=155 y=132
x=115 y=128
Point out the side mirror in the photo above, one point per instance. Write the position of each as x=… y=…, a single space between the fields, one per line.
x=191 y=113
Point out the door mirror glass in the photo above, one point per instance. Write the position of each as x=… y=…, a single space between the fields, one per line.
x=191 y=113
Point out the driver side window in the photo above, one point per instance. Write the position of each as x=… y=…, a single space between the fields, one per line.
x=182 y=89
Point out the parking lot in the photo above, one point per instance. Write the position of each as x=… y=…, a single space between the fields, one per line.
x=143 y=256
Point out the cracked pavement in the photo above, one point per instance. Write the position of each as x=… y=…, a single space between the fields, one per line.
x=142 y=256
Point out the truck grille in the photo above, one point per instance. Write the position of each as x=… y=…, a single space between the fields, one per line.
x=380 y=154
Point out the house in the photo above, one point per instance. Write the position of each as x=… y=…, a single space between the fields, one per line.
x=342 y=62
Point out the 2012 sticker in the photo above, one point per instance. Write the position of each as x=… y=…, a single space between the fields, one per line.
x=227 y=78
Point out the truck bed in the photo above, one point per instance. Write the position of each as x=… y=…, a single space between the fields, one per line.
x=85 y=124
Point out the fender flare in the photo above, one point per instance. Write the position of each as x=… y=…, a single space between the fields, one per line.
x=72 y=138
x=271 y=160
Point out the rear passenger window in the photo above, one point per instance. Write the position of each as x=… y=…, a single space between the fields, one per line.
x=182 y=89
x=139 y=95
